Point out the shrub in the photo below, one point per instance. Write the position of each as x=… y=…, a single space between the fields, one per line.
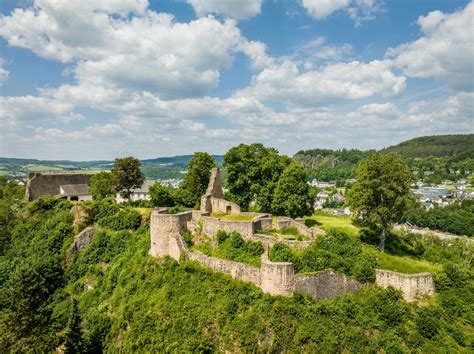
x=125 y=219
x=337 y=250
x=176 y=209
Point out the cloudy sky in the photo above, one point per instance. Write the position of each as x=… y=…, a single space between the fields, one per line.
x=89 y=79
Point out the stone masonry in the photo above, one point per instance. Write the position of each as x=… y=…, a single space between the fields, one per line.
x=276 y=278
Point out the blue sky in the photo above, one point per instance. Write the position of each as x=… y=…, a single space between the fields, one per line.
x=85 y=80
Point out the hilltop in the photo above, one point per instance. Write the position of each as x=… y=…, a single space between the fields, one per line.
x=442 y=155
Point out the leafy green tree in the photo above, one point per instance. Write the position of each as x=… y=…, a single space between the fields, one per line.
x=184 y=197
x=198 y=174
x=252 y=172
x=382 y=191
x=161 y=195
x=127 y=175
x=292 y=195
x=102 y=185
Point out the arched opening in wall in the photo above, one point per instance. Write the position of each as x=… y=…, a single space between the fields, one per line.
x=228 y=209
x=74 y=198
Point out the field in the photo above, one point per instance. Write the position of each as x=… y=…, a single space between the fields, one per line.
x=328 y=222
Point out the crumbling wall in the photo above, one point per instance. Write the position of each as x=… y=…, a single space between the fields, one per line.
x=263 y=223
x=411 y=285
x=47 y=184
x=164 y=230
x=283 y=222
x=212 y=225
x=277 y=278
x=325 y=284
x=270 y=241
x=214 y=188
x=236 y=270
x=223 y=206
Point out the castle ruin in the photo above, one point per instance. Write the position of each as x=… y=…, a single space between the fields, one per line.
x=276 y=278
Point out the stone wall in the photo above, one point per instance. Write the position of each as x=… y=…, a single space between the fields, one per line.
x=263 y=223
x=270 y=241
x=47 y=184
x=283 y=222
x=411 y=285
x=236 y=270
x=214 y=188
x=212 y=225
x=325 y=284
x=277 y=278
x=223 y=206
x=164 y=230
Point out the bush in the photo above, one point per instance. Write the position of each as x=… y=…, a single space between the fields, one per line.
x=337 y=250
x=427 y=322
x=125 y=219
x=231 y=245
x=176 y=209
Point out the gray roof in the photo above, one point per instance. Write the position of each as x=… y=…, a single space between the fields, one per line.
x=145 y=186
x=72 y=190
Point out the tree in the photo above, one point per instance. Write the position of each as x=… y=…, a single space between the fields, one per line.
x=382 y=190
x=252 y=172
x=292 y=195
x=198 y=174
x=127 y=175
x=102 y=185
x=161 y=195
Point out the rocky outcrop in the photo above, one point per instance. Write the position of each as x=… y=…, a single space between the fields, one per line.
x=82 y=240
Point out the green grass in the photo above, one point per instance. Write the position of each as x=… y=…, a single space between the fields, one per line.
x=290 y=233
x=404 y=264
x=328 y=222
x=39 y=168
x=238 y=217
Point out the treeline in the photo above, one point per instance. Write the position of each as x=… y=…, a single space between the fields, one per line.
x=437 y=146
x=457 y=218
x=330 y=165
x=257 y=178
x=441 y=156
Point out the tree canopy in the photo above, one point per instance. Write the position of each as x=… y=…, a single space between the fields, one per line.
x=252 y=172
x=127 y=175
x=102 y=185
x=197 y=177
x=292 y=195
x=381 y=192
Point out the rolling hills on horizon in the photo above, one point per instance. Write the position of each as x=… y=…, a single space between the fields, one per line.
x=439 y=151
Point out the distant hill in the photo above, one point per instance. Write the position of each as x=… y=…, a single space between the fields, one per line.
x=441 y=154
x=455 y=146
x=158 y=168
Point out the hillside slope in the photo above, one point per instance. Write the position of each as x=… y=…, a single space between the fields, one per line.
x=441 y=154
x=453 y=146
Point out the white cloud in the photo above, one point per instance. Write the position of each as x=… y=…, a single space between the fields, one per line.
x=145 y=51
x=335 y=82
x=238 y=9
x=4 y=73
x=320 y=9
x=445 y=51
x=358 y=10
x=16 y=111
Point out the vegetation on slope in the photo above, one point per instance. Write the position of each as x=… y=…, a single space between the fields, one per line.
x=113 y=297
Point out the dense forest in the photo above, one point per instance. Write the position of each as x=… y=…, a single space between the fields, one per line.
x=435 y=158
x=113 y=297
